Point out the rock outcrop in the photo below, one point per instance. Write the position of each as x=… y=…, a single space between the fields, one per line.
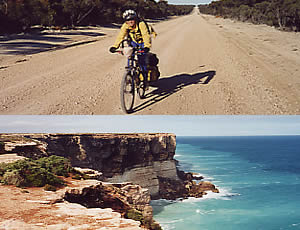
x=27 y=147
x=2 y=147
x=131 y=201
x=134 y=168
x=34 y=208
x=137 y=158
x=143 y=159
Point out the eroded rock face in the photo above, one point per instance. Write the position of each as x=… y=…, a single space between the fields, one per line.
x=139 y=158
x=26 y=147
x=2 y=147
x=171 y=189
x=38 y=209
x=90 y=173
x=108 y=153
x=131 y=201
x=138 y=166
x=148 y=176
x=143 y=159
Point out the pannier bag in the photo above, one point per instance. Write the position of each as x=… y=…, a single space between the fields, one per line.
x=153 y=73
x=151 y=62
x=151 y=59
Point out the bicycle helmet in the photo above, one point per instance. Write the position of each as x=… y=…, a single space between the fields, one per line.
x=129 y=15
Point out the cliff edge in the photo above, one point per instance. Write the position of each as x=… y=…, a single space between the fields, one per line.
x=133 y=168
x=138 y=158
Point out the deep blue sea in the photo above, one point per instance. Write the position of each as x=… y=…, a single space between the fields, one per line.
x=258 y=178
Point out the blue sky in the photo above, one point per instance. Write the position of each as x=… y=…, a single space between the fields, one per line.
x=192 y=2
x=180 y=125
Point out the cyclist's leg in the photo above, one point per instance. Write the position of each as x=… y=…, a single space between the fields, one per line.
x=142 y=63
x=141 y=59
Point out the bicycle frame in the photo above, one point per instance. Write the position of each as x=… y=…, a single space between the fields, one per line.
x=131 y=81
x=133 y=63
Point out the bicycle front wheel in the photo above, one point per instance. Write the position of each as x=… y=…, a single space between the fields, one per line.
x=127 y=92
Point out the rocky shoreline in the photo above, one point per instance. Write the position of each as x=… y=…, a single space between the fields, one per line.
x=130 y=170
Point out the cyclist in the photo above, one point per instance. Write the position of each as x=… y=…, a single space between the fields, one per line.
x=140 y=35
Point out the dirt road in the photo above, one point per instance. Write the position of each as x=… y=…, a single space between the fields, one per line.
x=209 y=66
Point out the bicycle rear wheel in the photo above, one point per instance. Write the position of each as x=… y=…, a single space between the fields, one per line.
x=127 y=92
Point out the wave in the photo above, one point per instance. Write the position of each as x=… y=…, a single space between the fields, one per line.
x=205 y=212
x=169 y=225
x=205 y=177
x=224 y=194
x=172 y=221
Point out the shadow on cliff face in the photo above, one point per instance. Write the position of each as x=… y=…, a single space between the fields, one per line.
x=165 y=87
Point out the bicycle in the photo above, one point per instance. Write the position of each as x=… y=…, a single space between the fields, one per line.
x=133 y=78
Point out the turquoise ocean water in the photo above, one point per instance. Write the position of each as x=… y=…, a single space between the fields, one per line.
x=258 y=178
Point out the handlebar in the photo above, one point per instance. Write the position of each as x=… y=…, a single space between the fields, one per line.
x=135 y=50
x=138 y=50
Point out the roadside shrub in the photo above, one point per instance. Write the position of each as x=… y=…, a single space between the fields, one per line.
x=284 y=14
x=17 y=16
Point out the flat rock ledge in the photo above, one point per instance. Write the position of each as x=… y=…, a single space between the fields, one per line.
x=86 y=204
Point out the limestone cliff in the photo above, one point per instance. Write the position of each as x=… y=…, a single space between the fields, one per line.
x=143 y=159
x=137 y=166
x=138 y=158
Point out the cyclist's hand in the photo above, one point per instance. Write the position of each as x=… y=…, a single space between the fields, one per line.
x=146 y=50
x=112 y=49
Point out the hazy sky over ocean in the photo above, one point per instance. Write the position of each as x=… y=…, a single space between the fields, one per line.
x=180 y=125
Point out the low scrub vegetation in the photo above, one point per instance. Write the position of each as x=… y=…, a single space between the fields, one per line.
x=283 y=14
x=19 y=15
x=35 y=173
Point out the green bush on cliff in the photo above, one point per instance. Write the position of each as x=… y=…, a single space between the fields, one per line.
x=152 y=225
x=35 y=173
x=155 y=226
x=138 y=216
x=59 y=166
x=2 y=169
x=134 y=215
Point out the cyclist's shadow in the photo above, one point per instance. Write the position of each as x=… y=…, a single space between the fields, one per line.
x=171 y=85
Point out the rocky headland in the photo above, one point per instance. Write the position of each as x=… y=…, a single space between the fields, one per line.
x=129 y=170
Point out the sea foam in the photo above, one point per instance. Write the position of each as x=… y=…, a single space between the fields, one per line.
x=224 y=194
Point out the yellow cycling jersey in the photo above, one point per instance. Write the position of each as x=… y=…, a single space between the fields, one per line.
x=138 y=34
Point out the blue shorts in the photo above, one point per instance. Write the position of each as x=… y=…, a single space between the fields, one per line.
x=141 y=58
